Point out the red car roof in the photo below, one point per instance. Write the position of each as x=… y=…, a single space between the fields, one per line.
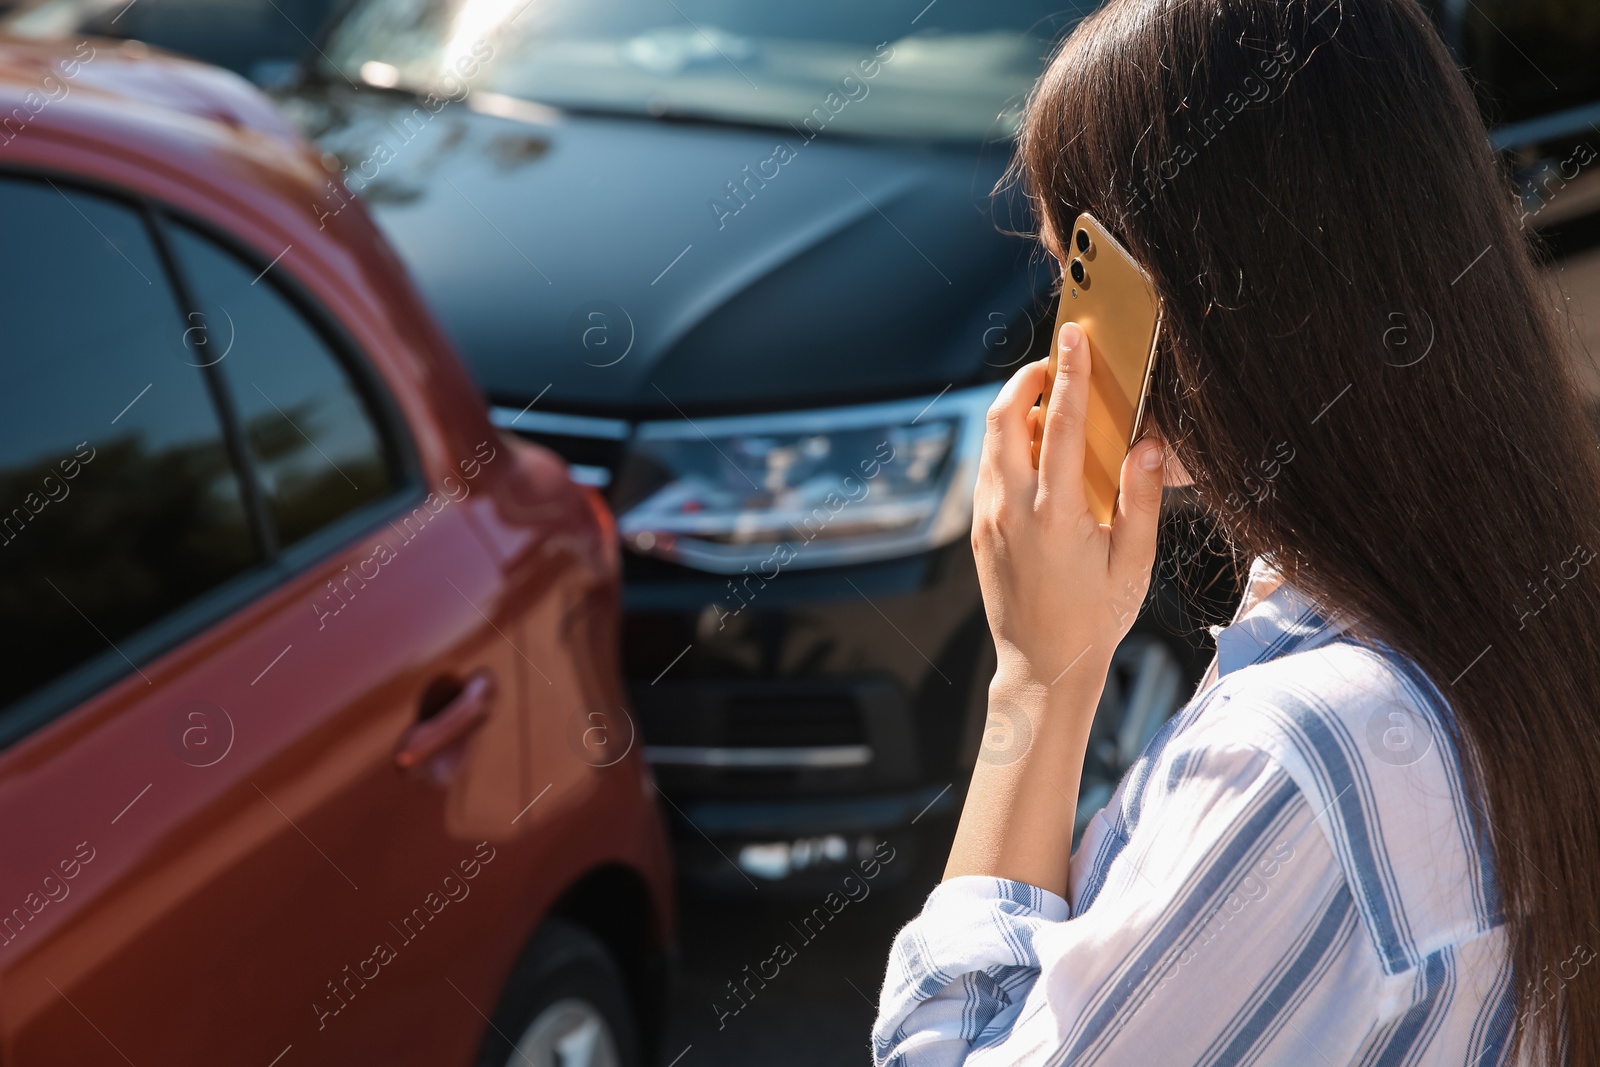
x=130 y=99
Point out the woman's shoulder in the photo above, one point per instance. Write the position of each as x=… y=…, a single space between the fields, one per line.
x=1365 y=737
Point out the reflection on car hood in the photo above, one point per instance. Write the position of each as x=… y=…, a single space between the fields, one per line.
x=605 y=264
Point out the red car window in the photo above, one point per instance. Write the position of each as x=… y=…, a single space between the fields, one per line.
x=119 y=501
x=316 y=450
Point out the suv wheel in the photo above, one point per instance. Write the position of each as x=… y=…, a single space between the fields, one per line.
x=566 y=1005
x=1146 y=684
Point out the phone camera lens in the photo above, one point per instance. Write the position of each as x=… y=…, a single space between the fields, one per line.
x=1077 y=271
x=1083 y=241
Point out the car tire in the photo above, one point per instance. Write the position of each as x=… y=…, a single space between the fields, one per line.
x=1149 y=680
x=565 y=1005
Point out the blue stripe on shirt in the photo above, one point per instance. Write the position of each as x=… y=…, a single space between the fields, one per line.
x=1474 y=831
x=1214 y=880
x=1343 y=777
x=1269 y=1009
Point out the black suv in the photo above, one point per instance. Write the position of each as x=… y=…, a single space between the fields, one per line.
x=740 y=264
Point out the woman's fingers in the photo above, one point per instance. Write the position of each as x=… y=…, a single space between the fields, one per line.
x=1065 y=424
x=1133 y=534
x=1007 y=445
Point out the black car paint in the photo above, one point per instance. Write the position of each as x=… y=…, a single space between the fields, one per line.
x=856 y=270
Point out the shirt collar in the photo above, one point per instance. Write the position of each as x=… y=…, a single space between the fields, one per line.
x=1266 y=627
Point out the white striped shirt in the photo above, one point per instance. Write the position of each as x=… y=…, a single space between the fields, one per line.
x=1288 y=875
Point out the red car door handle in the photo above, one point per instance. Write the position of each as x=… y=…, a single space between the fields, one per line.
x=465 y=713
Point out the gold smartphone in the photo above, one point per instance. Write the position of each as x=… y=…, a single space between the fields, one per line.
x=1105 y=291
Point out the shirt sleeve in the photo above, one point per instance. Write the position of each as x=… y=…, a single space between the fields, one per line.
x=1210 y=923
x=957 y=969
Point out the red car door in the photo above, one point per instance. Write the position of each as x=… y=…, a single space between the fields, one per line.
x=265 y=750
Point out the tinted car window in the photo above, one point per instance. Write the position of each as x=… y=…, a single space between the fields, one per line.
x=119 y=501
x=317 y=451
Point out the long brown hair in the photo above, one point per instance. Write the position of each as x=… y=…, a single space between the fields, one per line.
x=1310 y=186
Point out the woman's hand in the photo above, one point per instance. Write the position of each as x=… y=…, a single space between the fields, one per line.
x=1060 y=591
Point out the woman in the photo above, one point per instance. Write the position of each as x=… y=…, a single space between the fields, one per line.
x=1373 y=836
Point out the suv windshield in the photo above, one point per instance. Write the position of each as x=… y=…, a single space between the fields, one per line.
x=950 y=69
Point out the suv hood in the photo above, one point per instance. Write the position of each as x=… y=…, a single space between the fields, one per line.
x=605 y=265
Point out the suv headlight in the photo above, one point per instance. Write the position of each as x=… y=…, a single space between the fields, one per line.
x=804 y=489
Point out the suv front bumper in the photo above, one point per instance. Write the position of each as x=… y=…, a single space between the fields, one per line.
x=841 y=707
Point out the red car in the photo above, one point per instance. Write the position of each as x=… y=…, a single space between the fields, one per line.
x=314 y=748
